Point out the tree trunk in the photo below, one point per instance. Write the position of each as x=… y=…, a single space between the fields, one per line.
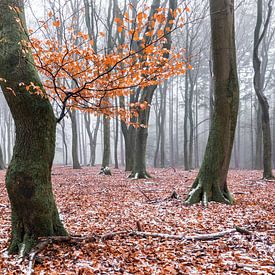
x=191 y=121
x=64 y=142
x=162 y=126
x=211 y=184
x=92 y=136
x=258 y=82
x=171 y=126
x=141 y=134
x=186 y=108
x=139 y=168
x=106 y=143
x=28 y=179
x=116 y=140
x=177 y=125
x=258 y=164
x=76 y=164
x=2 y=164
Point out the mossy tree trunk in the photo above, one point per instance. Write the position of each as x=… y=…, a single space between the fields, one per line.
x=211 y=183
x=28 y=178
x=2 y=164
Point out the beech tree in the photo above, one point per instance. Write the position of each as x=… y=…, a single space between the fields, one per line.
x=258 y=81
x=211 y=182
x=2 y=164
x=28 y=178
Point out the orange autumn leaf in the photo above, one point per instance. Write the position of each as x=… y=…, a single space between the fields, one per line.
x=56 y=23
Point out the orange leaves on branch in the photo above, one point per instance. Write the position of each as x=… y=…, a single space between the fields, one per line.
x=82 y=79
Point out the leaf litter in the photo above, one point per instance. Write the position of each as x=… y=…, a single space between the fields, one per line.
x=90 y=203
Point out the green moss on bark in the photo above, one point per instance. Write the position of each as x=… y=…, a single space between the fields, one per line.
x=28 y=178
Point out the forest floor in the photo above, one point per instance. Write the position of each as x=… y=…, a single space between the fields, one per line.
x=94 y=204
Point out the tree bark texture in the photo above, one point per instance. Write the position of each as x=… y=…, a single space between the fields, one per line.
x=28 y=179
x=211 y=184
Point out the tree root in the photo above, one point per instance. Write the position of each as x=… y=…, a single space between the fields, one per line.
x=44 y=242
x=200 y=194
x=105 y=171
x=139 y=175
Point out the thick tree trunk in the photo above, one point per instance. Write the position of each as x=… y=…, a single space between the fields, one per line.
x=2 y=164
x=211 y=184
x=28 y=179
x=141 y=134
x=76 y=164
x=139 y=168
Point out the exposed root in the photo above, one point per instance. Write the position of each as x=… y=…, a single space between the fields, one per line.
x=139 y=175
x=199 y=193
x=105 y=171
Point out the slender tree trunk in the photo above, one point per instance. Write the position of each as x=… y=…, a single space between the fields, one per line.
x=191 y=121
x=76 y=164
x=258 y=86
x=211 y=183
x=177 y=125
x=2 y=163
x=162 y=126
x=106 y=143
x=158 y=110
x=186 y=111
x=122 y=157
x=196 y=133
x=171 y=125
x=64 y=142
x=259 y=140
x=116 y=144
x=251 y=132
x=28 y=178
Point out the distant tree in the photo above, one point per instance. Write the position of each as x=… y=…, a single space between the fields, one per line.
x=211 y=182
x=28 y=179
x=2 y=164
x=258 y=81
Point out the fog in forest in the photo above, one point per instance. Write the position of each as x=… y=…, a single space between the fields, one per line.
x=181 y=108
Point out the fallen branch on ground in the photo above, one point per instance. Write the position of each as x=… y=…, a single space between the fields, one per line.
x=199 y=237
x=44 y=242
